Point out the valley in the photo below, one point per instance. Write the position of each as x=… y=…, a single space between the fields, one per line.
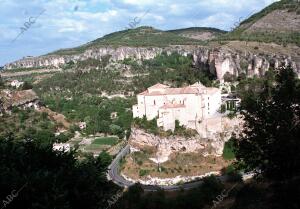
x=167 y=118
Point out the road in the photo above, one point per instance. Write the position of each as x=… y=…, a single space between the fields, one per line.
x=114 y=175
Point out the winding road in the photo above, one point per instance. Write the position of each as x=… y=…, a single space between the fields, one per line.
x=114 y=175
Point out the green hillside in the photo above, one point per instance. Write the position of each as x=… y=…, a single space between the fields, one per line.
x=290 y=5
x=197 y=29
x=279 y=23
x=199 y=33
x=142 y=37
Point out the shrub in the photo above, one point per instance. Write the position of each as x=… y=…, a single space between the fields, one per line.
x=143 y=172
x=228 y=151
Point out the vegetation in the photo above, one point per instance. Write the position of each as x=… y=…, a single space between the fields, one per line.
x=254 y=86
x=197 y=29
x=143 y=172
x=197 y=198
x=29 y=124
x=149 y=126
x=283 y=38
x=26 y=85
x=95 y=111
x=106 y=140
x=228 y=152
x=49 y=179
x=70 y=92
x=290 y=5
x=142 y=36
x=272 y=120
x=1 y=82
x=269 y=144
x=92 y=63
x=182 y=131
x=174 y=69
x=266 y=37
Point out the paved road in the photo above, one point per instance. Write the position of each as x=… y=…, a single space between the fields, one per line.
x=114 y=175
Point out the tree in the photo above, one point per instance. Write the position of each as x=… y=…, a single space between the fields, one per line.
x=229 y=77
x=270 y=142
x=1 y=82
x=51 y=179
x=26 y=85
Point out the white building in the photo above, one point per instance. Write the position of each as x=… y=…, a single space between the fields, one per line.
x=16 y=83
x=62 y=147
x=189 y=105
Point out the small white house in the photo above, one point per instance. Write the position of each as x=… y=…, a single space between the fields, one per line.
x=63 y=147
x=82 y=125
x=16 y=83
x=113 y=115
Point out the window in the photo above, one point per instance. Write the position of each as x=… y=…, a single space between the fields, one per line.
x=154 y=102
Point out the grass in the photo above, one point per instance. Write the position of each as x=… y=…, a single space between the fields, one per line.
x=97 y=147
x=105 y=141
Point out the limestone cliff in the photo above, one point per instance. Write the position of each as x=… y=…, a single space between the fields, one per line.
x=220 y=60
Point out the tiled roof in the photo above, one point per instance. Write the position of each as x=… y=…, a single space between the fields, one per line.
x=159 y=86
x=166 y=90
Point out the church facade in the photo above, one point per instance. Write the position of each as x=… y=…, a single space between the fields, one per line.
x=189 y=105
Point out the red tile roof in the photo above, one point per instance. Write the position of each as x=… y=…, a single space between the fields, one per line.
x=166 y=90
x=159 y=86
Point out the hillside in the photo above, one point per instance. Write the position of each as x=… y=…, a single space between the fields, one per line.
x=199 y=33
x=138 y=37
x=279 y=23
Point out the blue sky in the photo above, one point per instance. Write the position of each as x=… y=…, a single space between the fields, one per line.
x=49 y=25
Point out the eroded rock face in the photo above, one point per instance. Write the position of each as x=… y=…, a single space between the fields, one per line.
x=213 y=144
x=10 y=99
x=222 y=61
x=165 y=146
x=218 y=60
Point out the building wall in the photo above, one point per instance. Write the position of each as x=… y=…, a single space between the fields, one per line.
x=212 y=103
x=197 y=108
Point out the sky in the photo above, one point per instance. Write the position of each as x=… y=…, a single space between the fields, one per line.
x=37 y=27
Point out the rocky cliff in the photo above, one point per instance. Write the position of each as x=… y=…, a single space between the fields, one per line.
x=220 y=60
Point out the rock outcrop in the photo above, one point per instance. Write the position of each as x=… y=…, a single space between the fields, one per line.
x=165 y=145
x=23 y=98
x=218 y=60
x=212 y=144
